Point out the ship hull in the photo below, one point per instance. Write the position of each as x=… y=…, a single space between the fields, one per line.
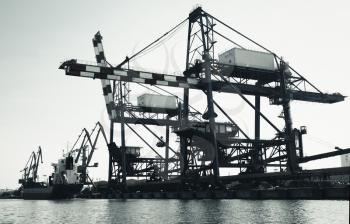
x=57 y=191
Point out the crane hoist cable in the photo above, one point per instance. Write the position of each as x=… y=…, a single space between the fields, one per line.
x=249 y=103
x=170 y=35
x=127 y=59
x=149 y=89
x=158 y=42
x=266 y=49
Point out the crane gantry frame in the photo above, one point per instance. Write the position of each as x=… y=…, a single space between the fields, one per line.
x=200 y=140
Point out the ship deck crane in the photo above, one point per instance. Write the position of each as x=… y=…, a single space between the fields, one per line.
x=84 y=148
x=30 y=171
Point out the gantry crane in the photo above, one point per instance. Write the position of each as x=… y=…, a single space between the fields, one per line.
x=204 y=149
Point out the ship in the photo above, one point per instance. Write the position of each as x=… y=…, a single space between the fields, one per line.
x=63 y=183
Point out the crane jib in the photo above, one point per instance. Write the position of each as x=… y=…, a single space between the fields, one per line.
x=73 y=68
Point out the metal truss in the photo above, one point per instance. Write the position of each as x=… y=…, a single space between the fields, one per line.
x=204 y=147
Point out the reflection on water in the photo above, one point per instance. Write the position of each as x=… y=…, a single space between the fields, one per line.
x=174 y=211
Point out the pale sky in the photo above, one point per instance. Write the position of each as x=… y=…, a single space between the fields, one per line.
x=42 y=106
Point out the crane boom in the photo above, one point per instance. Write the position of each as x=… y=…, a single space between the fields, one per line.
x=106 y=85
x=74 y=68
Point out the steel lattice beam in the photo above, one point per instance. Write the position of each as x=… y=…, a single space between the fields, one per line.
x=73 y=68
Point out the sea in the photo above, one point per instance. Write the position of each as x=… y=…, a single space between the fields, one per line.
x=161 y=211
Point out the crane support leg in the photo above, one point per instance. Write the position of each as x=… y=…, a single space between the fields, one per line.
x=292 y=164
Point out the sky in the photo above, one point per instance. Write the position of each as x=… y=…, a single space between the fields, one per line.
x=42 y=106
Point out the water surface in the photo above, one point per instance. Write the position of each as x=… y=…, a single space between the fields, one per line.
x=173 y=211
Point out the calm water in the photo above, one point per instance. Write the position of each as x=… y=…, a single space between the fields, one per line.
x=173 y=211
